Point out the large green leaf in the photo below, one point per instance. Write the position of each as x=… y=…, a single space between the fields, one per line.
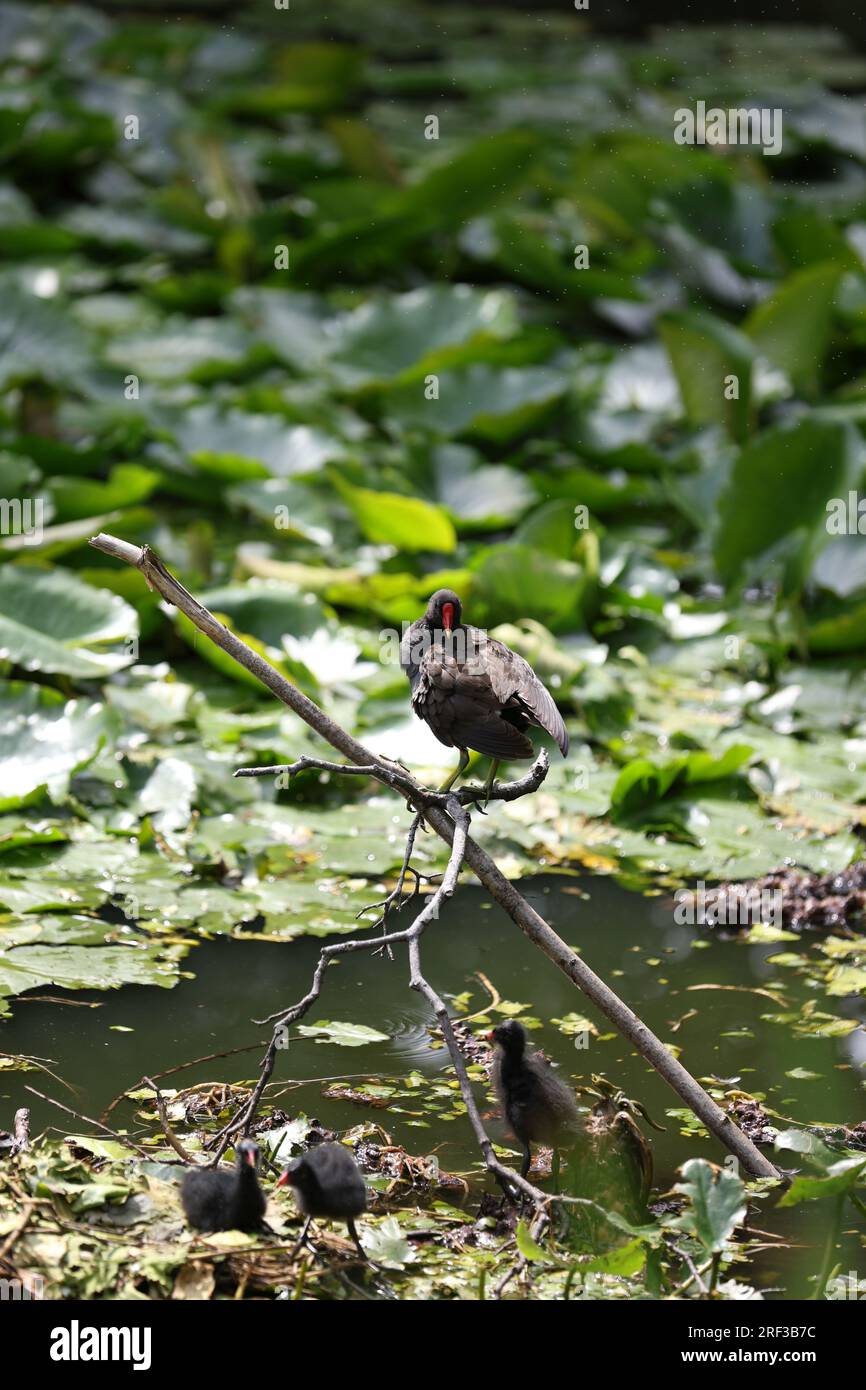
x=45 y=738
x=40 y=339
x=496 y=403
x=84 y=967
x=477 y=177
x=415 y=332
x=267 y=610
x=519 y=579
x=780 y=485
x=793 y=327
x=642 y=783
x=390 y=518
x=713 y=366
x=717 y=1204
x=836 y=1175
x=343 y=1034
x=52 y=622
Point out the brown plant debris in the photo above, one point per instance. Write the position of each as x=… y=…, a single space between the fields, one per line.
x=805 y=902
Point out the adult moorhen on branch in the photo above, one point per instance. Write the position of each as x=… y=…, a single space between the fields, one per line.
x=219 y=1201
x=327 y=1182
x=538 y=1106
x=473 y=691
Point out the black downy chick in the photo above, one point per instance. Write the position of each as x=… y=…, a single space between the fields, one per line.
x=328 y=1183
x=214 y=1200
x=538 y=1106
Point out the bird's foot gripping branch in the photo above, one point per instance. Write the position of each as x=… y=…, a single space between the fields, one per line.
x=445 y=813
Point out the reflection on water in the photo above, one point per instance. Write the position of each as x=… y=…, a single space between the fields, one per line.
x=633 y=942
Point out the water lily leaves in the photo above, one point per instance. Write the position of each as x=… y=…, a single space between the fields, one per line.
x=268 y=610
x=792 y=328
x=713 y=365
x=514 y=578
x=50 y=621
x=40 y=340
x=44 y=739
x=478 y=176
x=642 y=783
x=294 y=510
x=409 y=523
x=168 y=795
x=480 y=497
x=343 y=1034
x=779 y=486
x=237 y=444
x=182 y=347
x=494 y=403
x=386 y=1245
x=126 y=485
x=410 y=334
x=309 y=77
x=84 y=967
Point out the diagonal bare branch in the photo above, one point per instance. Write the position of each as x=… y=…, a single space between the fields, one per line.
x=526 y=918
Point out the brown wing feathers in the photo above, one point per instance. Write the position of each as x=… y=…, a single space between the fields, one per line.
x=476 y=692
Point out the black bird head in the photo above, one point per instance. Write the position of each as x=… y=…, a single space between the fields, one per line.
x=298 y=1174
x=511 y=1037
x=444 y=611
x=247 y=1154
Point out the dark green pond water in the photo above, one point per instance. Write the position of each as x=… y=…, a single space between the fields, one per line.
x=632 y=941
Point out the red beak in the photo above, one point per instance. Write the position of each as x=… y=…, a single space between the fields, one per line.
x=283 y=1178
x=448 y=617
x=250 y=1157
x=489 y=1036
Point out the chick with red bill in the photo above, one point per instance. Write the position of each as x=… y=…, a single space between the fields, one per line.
x=473 y=691
x=214 y=1200
x=327 y=1182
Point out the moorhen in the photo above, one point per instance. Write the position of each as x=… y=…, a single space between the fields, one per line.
x=220 y=1201
x=473 y=691
x=327 y=1182
x=538 y=1106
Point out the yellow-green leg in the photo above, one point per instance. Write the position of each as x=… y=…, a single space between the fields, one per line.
x=491 y=779
x=458 y=771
